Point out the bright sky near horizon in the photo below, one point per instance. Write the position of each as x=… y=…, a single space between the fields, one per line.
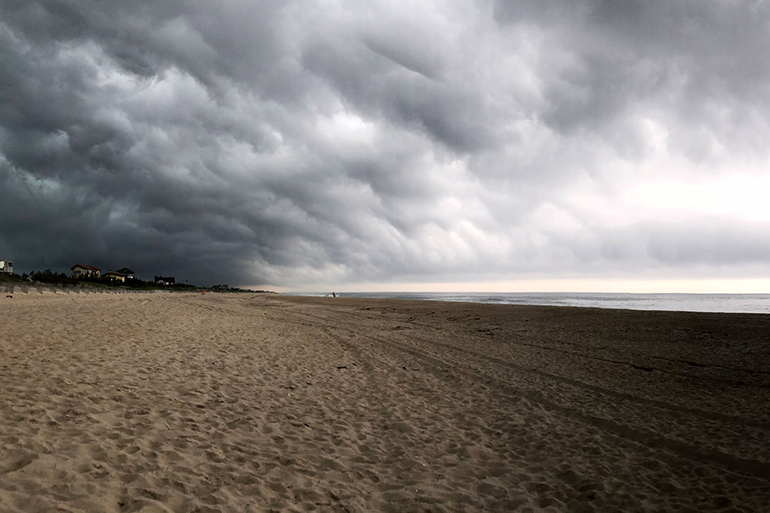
x=531 y=145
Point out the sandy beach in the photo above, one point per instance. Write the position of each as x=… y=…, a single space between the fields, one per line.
x=250 y=402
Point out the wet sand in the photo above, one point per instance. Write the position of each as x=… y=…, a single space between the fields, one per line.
x=239 y=402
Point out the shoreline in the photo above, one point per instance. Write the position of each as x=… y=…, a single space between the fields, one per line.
x=248 y=402
x=667 y=302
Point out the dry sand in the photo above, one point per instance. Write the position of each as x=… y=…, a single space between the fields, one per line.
x=229 y=403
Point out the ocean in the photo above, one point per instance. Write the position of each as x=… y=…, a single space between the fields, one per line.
x=734 y=303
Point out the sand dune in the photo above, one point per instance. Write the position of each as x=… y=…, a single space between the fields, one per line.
x=228 y=402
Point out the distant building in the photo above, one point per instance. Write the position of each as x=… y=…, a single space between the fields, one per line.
x=6 y=267
x=128 y=273
x=165 y=280
x=220 y=287
x=85 y=271
x=115 y=276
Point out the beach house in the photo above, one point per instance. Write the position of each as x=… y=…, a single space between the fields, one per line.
x=85 y=271
x=115 y=276
x=128 y=273
x=6 y=267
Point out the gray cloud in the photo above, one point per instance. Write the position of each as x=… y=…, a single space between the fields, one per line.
x=303 y=143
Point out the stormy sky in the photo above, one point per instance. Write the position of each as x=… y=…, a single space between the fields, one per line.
x=319 y=143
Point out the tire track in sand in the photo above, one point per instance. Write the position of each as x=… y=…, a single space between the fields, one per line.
x=653 y=440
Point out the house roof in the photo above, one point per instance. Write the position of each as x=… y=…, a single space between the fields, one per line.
x=87 y=267
x=114 y=273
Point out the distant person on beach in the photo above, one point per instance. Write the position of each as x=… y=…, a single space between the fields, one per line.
x=334 y=295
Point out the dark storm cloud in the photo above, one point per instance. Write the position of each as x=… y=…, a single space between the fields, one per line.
x=324 y=142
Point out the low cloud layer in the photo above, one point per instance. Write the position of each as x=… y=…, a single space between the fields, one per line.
x=311 y=143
